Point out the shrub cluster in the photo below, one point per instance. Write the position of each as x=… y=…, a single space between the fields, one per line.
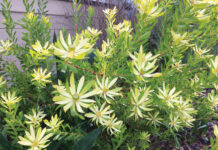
x=139 y=90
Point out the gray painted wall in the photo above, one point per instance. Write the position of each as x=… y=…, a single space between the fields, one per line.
x=60 y=14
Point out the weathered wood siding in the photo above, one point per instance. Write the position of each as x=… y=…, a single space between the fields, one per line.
x=60 y=14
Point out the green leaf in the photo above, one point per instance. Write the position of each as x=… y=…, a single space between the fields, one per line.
x=87 y=141
x=4 y=143
x=54 y=145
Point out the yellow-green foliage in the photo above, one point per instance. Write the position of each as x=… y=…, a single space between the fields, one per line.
x=136 y=86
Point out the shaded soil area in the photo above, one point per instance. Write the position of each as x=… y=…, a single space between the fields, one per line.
x=190 y=142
